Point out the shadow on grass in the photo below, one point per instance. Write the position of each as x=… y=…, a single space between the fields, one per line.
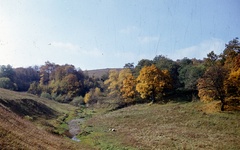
x=29 y=107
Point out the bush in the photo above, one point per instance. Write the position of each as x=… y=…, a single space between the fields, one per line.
x=6 y=83
x=77 y=101
x=46 y=95
x=54 y=96
x=60 y=98
x=35 y=89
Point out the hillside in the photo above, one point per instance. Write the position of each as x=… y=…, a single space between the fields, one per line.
x=180 y=125
x=24 y=119
x=164 y=126
x=98 y=73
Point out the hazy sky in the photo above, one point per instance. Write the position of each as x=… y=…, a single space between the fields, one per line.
x=93 y=34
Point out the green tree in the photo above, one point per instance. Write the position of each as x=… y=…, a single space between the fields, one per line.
x=164 y=63
x=129 y=65
x=142 y=63
x=189 y=74
x=6 y=83
x=7 y=71
x=24 y=77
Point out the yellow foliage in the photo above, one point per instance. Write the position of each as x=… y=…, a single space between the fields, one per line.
x=128 y=88
x=232 y=84
x=152 y=81
x=115 y=81
x=87 y=97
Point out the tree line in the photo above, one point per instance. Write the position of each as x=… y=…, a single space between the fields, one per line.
x=216 y=77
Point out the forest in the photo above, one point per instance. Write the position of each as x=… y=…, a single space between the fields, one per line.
x=216 y=77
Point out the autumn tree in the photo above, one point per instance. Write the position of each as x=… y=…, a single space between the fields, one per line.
x=128 y=89
x=112 y=83
x=123 y=74
x=70 y=85
x=93 y=96
x=211 y=85
x=45 y=72
x=232 y=83
x=152 y=82
x=115 y=81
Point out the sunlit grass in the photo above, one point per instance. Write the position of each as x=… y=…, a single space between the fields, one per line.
x=168 y=126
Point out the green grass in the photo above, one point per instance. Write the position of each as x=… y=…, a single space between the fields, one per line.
x=28 y=122
x=188 y=125
x=169 y=126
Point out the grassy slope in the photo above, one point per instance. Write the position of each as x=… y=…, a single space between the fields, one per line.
x=169 y=126
x=98 y=73
x=19 y=133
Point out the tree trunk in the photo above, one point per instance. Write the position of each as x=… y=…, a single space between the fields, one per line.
x=153 y=97
x=222 y=104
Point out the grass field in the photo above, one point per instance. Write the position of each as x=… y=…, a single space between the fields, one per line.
x=168 y=126
x=30 y=122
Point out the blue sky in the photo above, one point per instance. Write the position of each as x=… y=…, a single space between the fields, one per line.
x=92 y=34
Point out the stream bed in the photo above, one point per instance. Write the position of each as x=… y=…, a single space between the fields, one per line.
x=74 y=128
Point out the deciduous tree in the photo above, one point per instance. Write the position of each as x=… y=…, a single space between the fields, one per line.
x=128 y=89
x=152 y=82
x=211 y=85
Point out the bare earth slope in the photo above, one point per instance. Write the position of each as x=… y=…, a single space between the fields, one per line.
x=17 y=132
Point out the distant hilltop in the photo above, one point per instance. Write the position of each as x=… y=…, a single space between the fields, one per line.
x=98 y=73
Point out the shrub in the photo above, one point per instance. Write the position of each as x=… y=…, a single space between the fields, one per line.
x=59 y=98
x=77 y=101
x=46 y=95
x=6 y=83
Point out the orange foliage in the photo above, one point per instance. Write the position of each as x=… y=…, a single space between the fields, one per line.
x=152 y=82
x=128 y=88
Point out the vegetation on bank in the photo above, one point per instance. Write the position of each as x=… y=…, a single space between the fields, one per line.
x=162 y=95
x=213 y=78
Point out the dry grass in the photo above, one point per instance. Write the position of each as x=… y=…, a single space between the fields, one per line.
x=169 y=126
x=190 y=125
x=24 y=119
x=17 y=133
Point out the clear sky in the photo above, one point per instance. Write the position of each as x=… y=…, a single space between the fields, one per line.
x=92 y=34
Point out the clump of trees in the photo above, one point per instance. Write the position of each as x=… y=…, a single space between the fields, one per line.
x=221 y=80
x=216 y=77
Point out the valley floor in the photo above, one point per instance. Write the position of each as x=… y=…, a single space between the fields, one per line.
x=164 y=126
x=182 y=125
